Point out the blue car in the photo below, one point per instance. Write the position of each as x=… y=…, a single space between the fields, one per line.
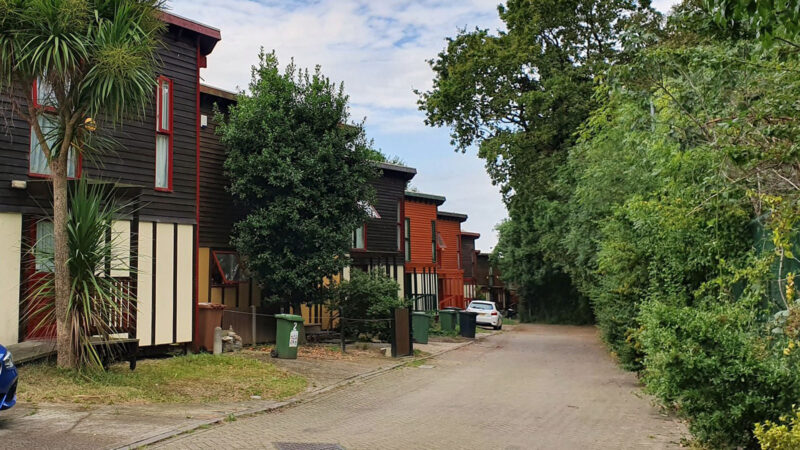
x=8 y=380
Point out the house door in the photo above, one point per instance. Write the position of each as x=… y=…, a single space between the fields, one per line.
x=39 y=307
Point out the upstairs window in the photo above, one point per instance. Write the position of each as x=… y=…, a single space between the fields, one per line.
x=164 y=135
x=433 y=239
x=229 y=267
x=360 y=238
x=38 y=165
x=399 y=227
x=408 y=239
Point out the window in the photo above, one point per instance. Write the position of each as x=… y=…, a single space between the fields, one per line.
x=38 y=165
x=229 y=267
x=458 y=251
x=164 y=135
x=360 y=238
x=372 y=213
x=408 y=239
x=44 y=247
x=433 y=239
x=399 y=227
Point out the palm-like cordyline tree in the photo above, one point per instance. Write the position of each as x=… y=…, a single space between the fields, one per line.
x=97 y=59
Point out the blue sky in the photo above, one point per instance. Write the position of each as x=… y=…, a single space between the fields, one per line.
x=378 y=49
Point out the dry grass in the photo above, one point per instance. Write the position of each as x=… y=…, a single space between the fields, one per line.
x=183 y=379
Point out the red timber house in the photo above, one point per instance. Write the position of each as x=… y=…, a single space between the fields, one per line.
x=155 y=168
x=421 y=284
x=449 y=261
x=469 y=262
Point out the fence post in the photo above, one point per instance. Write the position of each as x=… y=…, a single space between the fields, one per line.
x=253 y=324
x=341 y=329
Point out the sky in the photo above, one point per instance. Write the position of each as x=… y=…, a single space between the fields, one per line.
x=378 y=49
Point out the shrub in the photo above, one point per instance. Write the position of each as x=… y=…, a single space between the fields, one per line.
x=367 y=295
x=717 y=364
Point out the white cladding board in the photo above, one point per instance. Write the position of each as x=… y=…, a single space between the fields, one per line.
x=184 y=266
x=144 y=287
x=121 y=248
x=10 y=264
x=165 y=265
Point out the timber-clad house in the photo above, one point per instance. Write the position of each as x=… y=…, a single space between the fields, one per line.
x=175 y=234
x=155 y=167
x=376 y=245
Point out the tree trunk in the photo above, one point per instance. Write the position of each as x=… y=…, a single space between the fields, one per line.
x=64 y=336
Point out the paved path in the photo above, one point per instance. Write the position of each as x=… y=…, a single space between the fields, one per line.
x=548 y=387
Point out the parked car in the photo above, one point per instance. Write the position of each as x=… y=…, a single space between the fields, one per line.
x=8 y=380
x=487 y=313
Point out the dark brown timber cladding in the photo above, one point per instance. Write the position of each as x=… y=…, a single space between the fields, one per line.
x=467 y=255
x=382 y=233
x=217 y=213
x=133 y=160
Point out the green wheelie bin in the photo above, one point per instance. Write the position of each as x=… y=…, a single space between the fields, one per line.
x=287 y=336
x=448 y=319
x=420 y=324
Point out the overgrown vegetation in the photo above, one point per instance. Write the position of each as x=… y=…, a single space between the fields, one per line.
x=667 y=199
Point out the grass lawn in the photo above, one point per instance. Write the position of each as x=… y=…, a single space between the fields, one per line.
x=181 y=379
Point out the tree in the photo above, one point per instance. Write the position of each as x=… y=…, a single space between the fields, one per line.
x=520 y=95
x=95 y=59
x=301 y=172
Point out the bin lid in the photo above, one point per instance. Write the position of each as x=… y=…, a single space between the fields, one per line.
x=420 y=313
x=468 y=313
x=289 y=317
x=453 y=308
x=210 y=306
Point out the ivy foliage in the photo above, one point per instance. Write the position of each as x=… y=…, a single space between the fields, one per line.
x=300 y=170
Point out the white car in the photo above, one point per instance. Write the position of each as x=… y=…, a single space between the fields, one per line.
x=487 y=313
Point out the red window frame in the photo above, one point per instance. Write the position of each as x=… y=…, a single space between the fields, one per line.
x=164 y=132
x=214 y=254
x=47 y=110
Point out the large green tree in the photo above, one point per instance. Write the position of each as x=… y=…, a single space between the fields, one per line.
x=97 y=59
x=301 y=171
x=520 y=96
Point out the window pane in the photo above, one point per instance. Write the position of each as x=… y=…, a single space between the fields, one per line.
x=44 y=247
x=162 y=161
x=229 y=263
x=38 y=161
x=358 y=238
x=44 y=94
x=165 y=105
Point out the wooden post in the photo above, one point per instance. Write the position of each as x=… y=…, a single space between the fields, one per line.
x=253 y=323
x=341 y=329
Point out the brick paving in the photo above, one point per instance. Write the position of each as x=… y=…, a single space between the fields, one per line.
x=548 y=387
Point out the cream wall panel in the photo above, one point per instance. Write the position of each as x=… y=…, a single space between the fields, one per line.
x=400 y=275
x=10 y=262
x=165 y=265
x=144 y=285
x=121 y=248
x=184 y=288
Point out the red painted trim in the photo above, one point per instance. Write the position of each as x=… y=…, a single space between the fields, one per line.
x=199 y=28
x=197 y=205
x=160 y=131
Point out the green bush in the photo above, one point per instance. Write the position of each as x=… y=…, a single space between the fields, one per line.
x=367 y=295
x=716 y=366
